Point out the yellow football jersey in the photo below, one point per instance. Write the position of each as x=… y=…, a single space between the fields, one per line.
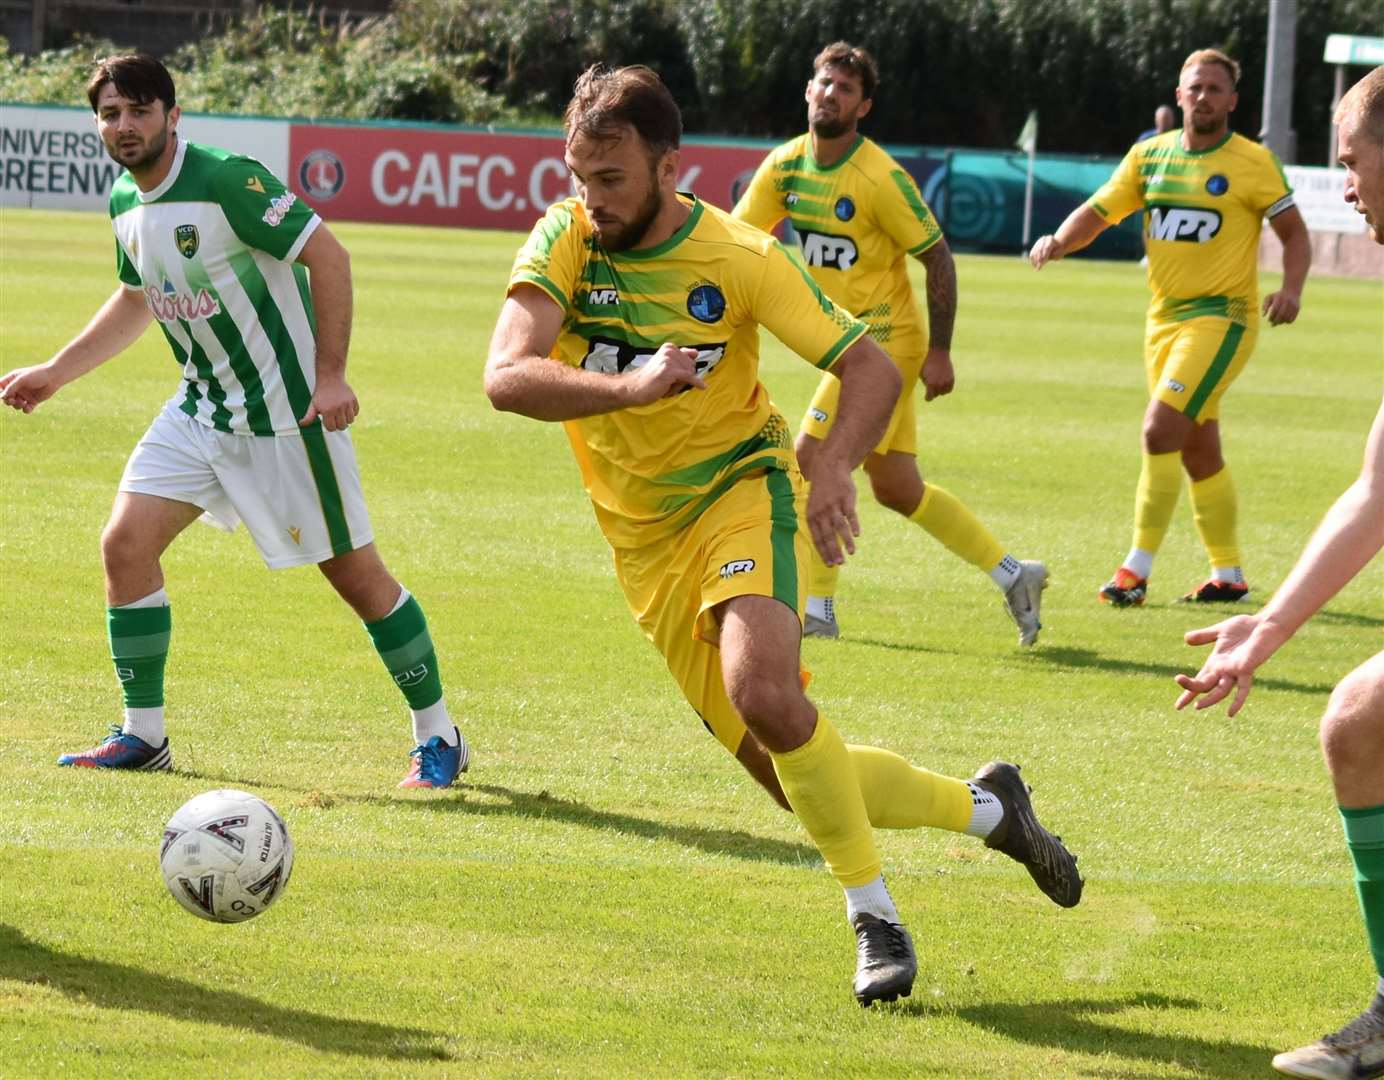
x=856 y=221
x=1203 y=212
x=654 y=468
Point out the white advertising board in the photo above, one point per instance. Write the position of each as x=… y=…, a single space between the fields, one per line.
x=51 y=157
x=1320 y=194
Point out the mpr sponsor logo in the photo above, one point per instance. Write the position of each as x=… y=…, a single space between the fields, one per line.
x=818 y=415
x=611 y=357
x=1183 y=223
x=1176 y=387
x=737 y=566
x=823 y=249
x=602 y=297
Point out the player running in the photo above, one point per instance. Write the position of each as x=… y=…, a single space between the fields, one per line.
x=1204 y=191
x=1352 y=731
x=253 y=294
x=633 y=315
x=857 y=214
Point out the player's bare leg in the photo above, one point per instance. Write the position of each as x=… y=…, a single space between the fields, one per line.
x=139 y=621
x=395 y=623
x=1352 y=735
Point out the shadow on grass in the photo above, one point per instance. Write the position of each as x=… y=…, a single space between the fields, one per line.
x=543 y=805
x=120 y=986
x=741 y=845
x=1066 y=656
x=1347 y=618
x=1078 y=1026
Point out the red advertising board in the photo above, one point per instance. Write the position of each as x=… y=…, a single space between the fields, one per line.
x=433 y=176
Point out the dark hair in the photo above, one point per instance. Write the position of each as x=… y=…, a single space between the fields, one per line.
x=136 y=76
x=604 y=102
x=854 y=59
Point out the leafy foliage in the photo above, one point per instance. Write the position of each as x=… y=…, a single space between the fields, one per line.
x=954 y=72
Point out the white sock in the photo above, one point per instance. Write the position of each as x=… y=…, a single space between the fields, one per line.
x=1139 y=561
x=157 y=598
x=1006 y=572
x=1231 y=575
x=404 y=594
x=872 y=899
x=433 y=721
x=822 y=607
x=146 y=724
x=986 y=812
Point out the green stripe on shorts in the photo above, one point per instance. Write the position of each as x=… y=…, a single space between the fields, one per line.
x=784 y=516
x=328 y=492
x=1224 y=355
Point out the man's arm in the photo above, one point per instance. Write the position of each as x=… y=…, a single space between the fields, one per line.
x=1348 y=537
x=870 y=386
x=937 y=374
x=1283 y=306
x=1081 y=227
x=329 y=280
x=521 y=377
x=116 y=326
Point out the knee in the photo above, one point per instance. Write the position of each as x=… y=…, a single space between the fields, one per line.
x=777 y=714
x=120 y=548
x=900 y=500
x=1160 y=438
x=1352 y=730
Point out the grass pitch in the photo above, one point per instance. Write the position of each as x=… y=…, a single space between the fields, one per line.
x=608 y=894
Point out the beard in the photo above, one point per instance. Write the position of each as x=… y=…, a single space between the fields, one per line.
x=830 y=127
x=621 y=236
x=1207 y=125
x=144 y=156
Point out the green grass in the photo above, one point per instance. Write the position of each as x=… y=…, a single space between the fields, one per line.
x=608 y=894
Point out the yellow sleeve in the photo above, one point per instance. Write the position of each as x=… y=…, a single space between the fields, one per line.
x=791 y=307
x=553 y=257
x=759 y=205
x=902 y=214
x=1272 y=193
x=1122 y=194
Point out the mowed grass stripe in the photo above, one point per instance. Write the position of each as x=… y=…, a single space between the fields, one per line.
x=609 y=894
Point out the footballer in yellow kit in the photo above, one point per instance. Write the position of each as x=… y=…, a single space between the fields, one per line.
x=858 y=216
x=1204 y=192
x=665 y=478
x=632 y=316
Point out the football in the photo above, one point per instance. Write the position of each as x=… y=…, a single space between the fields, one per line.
x=226 y=855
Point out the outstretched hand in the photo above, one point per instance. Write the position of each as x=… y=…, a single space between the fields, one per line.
x=27 y=388
x=1238 y=652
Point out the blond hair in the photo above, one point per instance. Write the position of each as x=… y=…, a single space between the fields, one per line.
x=1214 y=56
x=1364 y=103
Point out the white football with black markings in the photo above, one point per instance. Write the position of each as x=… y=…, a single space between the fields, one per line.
x=226 y=855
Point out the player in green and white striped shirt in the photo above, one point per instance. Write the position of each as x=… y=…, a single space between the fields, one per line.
x=253 y=294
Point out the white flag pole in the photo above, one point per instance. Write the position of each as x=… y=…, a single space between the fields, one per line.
x=1028 y=140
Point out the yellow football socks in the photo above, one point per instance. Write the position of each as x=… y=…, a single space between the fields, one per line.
x=1214 y=507
x=821 y=578
x=944 y=517
x=901 y=796
x=821 y=786
x=1159 y=482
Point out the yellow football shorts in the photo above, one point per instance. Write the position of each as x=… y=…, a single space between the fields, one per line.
x=1190 y=364
x=901 y=437
x=747 y=543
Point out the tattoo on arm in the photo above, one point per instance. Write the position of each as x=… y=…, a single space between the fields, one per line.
x=941 y=294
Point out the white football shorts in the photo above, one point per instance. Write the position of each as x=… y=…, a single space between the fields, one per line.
x=298 y=495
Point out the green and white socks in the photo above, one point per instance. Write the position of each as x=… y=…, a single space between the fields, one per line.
x=139 y=633
x=402 y=640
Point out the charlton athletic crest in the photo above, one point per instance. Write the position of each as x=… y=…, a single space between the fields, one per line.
x=187 y=240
